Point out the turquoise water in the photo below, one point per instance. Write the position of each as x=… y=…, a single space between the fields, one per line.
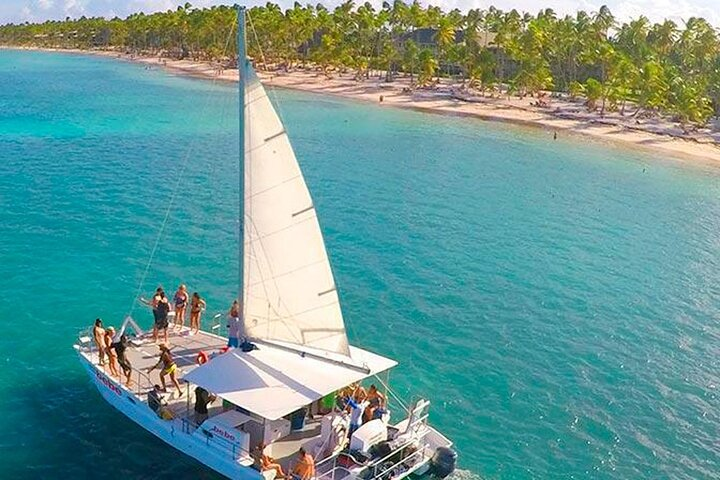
x=557 y=301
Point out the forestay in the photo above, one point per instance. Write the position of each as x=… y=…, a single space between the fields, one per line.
x=289 y=291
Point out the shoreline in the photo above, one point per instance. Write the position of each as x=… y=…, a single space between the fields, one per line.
x=657 y=134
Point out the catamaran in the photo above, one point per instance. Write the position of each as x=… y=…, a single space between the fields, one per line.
x=278 y=392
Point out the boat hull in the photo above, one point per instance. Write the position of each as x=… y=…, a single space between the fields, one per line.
x=169 y=431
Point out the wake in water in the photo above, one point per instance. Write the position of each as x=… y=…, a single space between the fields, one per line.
x=461 y=474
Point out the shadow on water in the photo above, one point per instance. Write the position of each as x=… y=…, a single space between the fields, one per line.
x=69 y=415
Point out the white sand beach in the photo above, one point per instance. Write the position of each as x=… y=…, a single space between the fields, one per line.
x=557 y=115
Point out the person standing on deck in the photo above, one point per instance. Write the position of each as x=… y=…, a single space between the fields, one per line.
x=153 y=303
x=357 y=409
x=161 y=312
x=203 y=398
x=110 y=351
x=120 y=346
x=99 y=337
x=376 y=404
x=181 y=301
x=169 y=367
x=197 y=306
x=234 y=325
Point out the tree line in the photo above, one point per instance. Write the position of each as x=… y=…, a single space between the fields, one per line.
x=654 y=67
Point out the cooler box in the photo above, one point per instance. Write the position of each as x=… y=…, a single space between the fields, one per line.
x=368 y=435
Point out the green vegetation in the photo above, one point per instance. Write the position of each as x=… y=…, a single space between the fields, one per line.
x=654 y=67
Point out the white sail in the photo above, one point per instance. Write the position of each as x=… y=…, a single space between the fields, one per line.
x=288 y=286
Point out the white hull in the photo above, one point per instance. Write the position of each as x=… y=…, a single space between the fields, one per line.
x=169 y=431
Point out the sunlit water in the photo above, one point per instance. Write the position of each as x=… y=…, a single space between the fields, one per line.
x=556 y=301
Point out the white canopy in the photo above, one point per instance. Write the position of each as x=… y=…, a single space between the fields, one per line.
x=273 y=382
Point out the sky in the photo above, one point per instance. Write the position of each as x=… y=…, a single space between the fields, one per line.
x=17 y=11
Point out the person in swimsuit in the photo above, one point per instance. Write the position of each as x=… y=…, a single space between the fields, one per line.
x=180 y=300
x=305 y=466
x=110 y=351
x=161 y=311
x=153 y=303
x=266 y=462
x=197 y=306
x=169 y=367
x=99 y=337
x=234 y=325
x=120 y=346
x=377 y=403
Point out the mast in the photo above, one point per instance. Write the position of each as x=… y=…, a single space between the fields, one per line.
x=242 y=77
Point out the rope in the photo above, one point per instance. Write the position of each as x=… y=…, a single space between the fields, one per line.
x=276 y=102
x=166 y=217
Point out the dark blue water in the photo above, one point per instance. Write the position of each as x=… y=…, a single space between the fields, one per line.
x=556 y=301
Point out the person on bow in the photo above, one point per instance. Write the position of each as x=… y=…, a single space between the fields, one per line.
x=110 y=351
x=169 y=367
x=161 y=309
x=99 y=338
x=197 y=306
x=180 y=300
x=120 y=347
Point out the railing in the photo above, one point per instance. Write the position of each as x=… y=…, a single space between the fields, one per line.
x=217 y=323
x=190 y=427
x=376 y=464
x=420 y=452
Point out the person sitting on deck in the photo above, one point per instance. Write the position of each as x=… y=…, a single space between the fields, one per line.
x=155 y=399
x=305 y=467
x=169 y=368
x=265 y=462
x=99 y=337
x=202 y=399
x=234 y=325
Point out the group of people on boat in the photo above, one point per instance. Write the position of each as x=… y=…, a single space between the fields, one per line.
x=303 y=469
x=161 y=308
x=111 y=352
x=363 y=405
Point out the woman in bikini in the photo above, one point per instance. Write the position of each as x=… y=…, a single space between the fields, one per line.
x=197 y=306
x=168 y=368
x=99 y=337
x=266 y=462
x=180 y=300
x=110 y=351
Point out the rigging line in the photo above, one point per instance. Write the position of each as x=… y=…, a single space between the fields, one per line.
x=278 y=109
x=180 y=176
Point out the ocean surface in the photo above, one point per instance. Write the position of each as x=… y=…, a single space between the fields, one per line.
x=557 y=301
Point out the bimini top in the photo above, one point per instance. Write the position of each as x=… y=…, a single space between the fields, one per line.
x=272 y=382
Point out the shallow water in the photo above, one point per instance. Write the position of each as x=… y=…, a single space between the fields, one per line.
x=557 y=301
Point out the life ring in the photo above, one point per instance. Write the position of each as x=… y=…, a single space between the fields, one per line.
x=201 y=358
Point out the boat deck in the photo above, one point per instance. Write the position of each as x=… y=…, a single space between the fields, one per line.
x=144 y=353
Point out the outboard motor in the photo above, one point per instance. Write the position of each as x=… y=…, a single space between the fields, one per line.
x=443 y=462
